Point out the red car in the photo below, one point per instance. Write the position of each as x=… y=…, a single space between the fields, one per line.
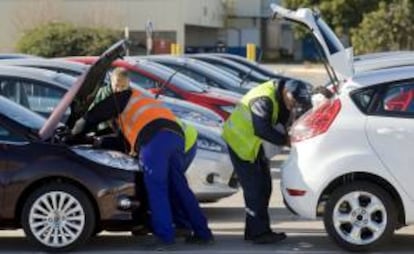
x=152 y=76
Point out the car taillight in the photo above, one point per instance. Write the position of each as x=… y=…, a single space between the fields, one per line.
x=316 y=121
x=295 y=192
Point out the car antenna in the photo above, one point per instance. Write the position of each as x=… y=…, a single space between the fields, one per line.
x=259 y=59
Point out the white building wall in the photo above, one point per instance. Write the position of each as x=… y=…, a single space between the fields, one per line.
x=166 y=15
x=244 y=8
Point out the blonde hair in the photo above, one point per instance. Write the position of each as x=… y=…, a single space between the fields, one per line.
x=119 y=79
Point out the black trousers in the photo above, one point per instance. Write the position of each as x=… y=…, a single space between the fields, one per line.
x=256 y=182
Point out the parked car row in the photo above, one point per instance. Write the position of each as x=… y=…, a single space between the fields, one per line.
x=61 y=192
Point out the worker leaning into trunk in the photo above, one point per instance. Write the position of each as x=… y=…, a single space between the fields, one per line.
x=163 y=144
x=253 y=121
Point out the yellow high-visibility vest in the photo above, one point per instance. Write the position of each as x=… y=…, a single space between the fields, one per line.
x=238 y=130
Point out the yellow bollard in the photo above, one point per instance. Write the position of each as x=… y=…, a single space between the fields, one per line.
x=173 y=49
x=251 y=51
x=178 y=49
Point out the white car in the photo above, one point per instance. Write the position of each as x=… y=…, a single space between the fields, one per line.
x=351 y=160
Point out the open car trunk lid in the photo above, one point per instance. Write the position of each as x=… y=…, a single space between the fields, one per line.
x=339 y=58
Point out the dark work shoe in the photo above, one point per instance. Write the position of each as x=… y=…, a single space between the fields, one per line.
x=269 y=238
x=193 y=239
x=248 y=238
x=183 y=233
x=155 y=244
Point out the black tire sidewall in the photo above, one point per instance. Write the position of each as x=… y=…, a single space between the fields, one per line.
x=74 y=191
x=375 y=190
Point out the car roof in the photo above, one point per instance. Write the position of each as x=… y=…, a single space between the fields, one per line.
x=41 y=62
x=41 y=75
x=383 y=76
x=16 y=56
x=386 y=61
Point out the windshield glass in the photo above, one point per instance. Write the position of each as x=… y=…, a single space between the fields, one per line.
x=20 y=114
x=240 y=69
x=179 y=80
x=212 y=70
x=334 y=45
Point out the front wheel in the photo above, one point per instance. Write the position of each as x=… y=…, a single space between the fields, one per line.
x=58 y=217
x=360 y=216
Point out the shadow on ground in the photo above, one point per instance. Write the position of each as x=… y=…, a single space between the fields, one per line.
x=224 y=243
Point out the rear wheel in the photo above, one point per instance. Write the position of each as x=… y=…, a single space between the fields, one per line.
x=360 y=216
x=58 y=217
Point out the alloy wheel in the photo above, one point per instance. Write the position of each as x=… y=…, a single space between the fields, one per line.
x=57 y=219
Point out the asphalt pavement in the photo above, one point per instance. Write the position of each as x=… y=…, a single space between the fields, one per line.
x=226 y=218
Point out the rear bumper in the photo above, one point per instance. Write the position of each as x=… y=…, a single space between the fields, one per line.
x=292 y=178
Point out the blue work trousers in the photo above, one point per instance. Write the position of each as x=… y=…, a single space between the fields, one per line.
x=163 y=160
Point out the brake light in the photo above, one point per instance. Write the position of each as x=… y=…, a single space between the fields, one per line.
x=316 y=121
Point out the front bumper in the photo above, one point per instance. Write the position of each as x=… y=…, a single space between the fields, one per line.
x=210 y=176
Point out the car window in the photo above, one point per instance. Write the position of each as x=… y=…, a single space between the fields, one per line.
x=7 y=136
x=142 y=81
x=363 y=98
x=399 y=99
x=191 y=74
x=38 y=97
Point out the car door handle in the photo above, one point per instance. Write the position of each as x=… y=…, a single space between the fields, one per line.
x=390 y=130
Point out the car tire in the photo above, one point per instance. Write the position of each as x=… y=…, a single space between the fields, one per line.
x=360 y=216
x=58 y=217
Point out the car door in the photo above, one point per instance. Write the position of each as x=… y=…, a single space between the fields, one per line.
x=3 y=163
x=8 y=162
x=390 y=130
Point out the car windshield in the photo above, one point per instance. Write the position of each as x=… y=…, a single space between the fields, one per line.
x=213 y=71
x=334 y=45
x=241 y=69
x=20 y=114
x=179 y=80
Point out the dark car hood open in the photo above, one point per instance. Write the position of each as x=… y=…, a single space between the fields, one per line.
x=84 y=88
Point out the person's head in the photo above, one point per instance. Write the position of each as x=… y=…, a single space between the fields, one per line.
x=119 y=80
x=296 y=95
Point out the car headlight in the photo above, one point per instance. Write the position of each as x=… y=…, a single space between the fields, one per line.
x=108 y=158
x=228 y=109
x=209 y=144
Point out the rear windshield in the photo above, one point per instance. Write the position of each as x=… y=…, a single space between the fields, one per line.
x=334 y=45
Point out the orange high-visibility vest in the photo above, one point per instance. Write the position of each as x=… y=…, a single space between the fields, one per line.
x=140 y=111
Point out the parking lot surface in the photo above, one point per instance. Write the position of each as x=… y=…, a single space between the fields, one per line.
x=227 y=221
